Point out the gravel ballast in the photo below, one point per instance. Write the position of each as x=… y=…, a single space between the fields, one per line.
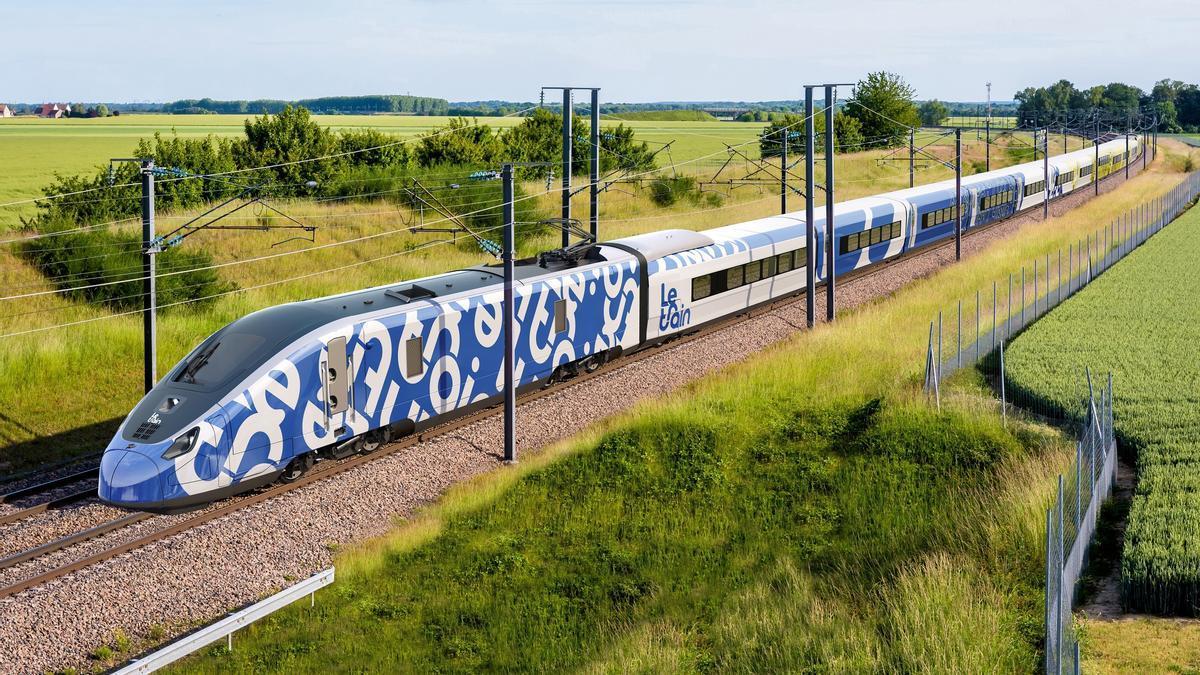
x=202 y=573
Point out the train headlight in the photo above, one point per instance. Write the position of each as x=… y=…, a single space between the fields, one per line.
x=183 y=444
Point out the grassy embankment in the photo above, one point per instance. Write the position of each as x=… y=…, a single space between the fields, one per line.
x=805 y=511
x=93 y=370
x=1140 y=321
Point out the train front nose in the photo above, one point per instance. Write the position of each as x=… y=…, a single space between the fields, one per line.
x=129 y=478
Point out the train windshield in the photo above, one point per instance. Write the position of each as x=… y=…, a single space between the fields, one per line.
x=215 y=362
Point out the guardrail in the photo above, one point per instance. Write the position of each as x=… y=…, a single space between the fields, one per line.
x=226 y=627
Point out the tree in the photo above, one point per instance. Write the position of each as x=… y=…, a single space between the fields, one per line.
x=1187 y=103
x=102 y=110
x=462 y=141
x=847 y=134
x=77 y=110
x=933 y=112
x=883 y=105
x=290 y=143
x=538 y=138
x=1168 y=117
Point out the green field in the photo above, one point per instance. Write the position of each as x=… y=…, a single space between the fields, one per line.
x=831 y=521
x=1141 y=321
x=35 y=149
x=998 y=122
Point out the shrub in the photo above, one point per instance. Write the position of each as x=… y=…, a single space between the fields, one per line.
x=79 y=262
x=665 y=191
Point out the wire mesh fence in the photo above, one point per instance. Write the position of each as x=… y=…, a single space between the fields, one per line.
x=973 y=329
x=1071 y=522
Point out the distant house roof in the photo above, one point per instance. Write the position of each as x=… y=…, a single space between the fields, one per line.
x=48 y=109
x=4 y=108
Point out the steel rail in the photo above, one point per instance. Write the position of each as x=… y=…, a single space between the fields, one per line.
x=55 y=503
x=13 y=496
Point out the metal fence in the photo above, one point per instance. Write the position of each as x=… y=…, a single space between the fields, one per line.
x=1071 y=522
x=975 y=327
x=225 y=628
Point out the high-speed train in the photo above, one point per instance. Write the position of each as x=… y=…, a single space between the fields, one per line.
x=265 y=397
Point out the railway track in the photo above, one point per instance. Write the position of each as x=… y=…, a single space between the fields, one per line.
x=337 y=467
x=56 y=501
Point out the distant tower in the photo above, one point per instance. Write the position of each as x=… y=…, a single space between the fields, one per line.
x=989 y=88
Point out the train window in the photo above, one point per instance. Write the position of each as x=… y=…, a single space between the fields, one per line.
x=800 y=261
x=753 y=271
x=560 y=315
x=221 y=358
x=701 y=287
x=414 y=362
x=733 y=277
x=783 y=262
x=876 y=235
x=768 y=267
x=895 y=230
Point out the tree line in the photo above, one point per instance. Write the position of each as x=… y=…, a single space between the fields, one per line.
x=1176 y=104
x=415 y=105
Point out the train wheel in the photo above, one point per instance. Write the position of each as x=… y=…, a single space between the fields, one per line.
x=296 y=468
x=372 y=440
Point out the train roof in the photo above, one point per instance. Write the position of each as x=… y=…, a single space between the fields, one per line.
x=655 y=245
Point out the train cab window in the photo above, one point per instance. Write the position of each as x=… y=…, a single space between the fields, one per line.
x=414 y=363
x=560 y=316
x=215 y=362
x=701 y=287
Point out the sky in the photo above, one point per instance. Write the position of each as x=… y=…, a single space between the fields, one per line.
x=635 y=50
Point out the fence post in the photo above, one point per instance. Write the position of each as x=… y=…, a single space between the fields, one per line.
x=1049 y=595
x=1003 y=395
x=958 y=339
x=929 y=361
x=938 y=370
x=1008 y=308
x=1023 y=295
x=995 y=326
x=1062 y=556
x=1079 y=485
x=1058 y=288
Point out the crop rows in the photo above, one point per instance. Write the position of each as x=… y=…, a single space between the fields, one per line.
x=1140 y=321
